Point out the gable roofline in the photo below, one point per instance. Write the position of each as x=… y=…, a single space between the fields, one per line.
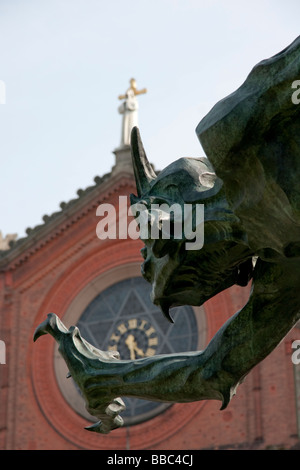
x=38 y=236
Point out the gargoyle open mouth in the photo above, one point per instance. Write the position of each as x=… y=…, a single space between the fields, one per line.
x=192 y=278
x=180 y=276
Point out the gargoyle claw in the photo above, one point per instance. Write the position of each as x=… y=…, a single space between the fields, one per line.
x=84 y=362
x=110 y=419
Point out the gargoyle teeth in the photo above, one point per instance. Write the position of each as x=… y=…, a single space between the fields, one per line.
x=164 y=306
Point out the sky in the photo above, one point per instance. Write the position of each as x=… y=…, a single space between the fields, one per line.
x=65 y=62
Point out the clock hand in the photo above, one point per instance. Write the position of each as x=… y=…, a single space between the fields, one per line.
x=139 y=351
x=129 y=341
x=133 y=347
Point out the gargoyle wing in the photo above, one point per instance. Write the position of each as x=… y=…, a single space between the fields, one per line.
x=252 y=139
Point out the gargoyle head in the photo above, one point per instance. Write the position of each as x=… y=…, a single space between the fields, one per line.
x=179 y=273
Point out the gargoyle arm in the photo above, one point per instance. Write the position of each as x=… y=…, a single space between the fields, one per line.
x=243 y=341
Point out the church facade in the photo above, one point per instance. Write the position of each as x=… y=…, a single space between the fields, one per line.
x=63 y=267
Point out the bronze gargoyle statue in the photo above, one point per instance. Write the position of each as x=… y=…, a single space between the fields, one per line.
x=249 y=186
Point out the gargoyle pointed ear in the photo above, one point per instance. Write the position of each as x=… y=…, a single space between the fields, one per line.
x=143 y=171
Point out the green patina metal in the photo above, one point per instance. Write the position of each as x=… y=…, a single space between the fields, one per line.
x=249 y=185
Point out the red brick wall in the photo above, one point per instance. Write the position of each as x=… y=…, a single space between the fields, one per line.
x=33 y=413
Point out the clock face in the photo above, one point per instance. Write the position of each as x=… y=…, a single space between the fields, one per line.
x=123 y=318
x=134 y=338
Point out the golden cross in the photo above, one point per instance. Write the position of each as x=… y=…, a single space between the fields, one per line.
x=134 y=89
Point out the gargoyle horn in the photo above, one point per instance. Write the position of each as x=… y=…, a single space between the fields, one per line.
x=143 y=170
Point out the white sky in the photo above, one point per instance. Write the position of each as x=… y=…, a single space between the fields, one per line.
x=64 y=63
